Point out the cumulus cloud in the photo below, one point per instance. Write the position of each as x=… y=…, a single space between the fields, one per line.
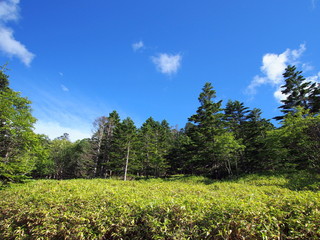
x=273 y=66
x=9 y=11
x=278 y=95
x=54 y=129
x=138 y=45
x=167 y=63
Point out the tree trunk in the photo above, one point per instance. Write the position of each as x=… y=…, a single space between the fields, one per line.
x=127 y=162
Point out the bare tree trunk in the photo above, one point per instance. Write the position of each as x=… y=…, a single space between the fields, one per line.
x=127 y=162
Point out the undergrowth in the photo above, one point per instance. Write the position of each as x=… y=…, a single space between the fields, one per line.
x=280 y=206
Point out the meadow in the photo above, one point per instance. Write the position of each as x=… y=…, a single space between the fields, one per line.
x=265 y=206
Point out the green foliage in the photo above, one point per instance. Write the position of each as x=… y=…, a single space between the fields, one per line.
x=44 y=165
x=104 y=139
x=17 y=140
x=251 y=207
x=213 y=149
x=125 y=142
x=153 y=146
x=297 y=143
x=299 y=93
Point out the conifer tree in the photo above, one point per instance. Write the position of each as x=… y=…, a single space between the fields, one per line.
x=152 y=147
x=207 y=124
x=236 y=114
x=125 y=138
x=298 y=92
x=103 y=138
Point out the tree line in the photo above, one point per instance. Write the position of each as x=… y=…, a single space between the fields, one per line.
x=217 y=141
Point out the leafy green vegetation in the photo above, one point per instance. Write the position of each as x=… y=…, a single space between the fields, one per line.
x=251 y=207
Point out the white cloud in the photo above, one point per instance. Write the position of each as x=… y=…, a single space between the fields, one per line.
x=138 y=45
x=278 y=95
x=64 y=88
x=315 y=78
x=9 y=11
x=273 y=66
x=61 y=74
x=54 y=130
x=12 y=47
x=167 y=63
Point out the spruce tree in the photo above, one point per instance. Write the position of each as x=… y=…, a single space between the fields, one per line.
x=207 y=124
x=125 y=138
x=298 y=92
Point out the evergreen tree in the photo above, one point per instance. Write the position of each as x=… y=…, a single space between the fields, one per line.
x=296 y=144
x=207 y=124
x=178 y=154
x=80 y=160
x=314 y=98
x=152 y=147
x=105 y=144
x=236 y=114
x=298 y=92
x=125 y=139
x=254 y=133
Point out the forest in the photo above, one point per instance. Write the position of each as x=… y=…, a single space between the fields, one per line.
x=219 y=140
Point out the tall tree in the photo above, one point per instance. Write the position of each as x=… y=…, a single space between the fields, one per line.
x=17 y=139
x=298 y=92
x=152 y=147
x=254 y=133
x=103 y=143
x=296 y=144
x=125 y=138
x=207 y=125
x=60 y=155
x=314 y=99
x=99 y=131
x=236 y=114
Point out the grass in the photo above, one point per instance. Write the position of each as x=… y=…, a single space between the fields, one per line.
x=283 y=206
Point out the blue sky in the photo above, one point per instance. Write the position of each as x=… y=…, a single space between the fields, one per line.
x=79 y=60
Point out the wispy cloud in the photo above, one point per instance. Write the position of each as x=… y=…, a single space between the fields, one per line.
x=314 y=78
x=273 y=66
x=314 y=4
x=61 y=74
x=59 y=113
x=64 y=88
x=167 y=63
x=9 y=11
x=54 y=129
x=138 y=45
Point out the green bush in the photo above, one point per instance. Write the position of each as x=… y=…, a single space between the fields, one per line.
x=252 y=207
